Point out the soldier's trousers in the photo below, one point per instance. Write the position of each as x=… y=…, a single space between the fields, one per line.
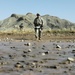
x=38 y=33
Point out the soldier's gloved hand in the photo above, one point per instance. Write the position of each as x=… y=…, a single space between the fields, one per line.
x=41 y=27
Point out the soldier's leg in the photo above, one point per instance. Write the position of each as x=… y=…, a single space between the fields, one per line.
x=35 y=32
x=39 y=33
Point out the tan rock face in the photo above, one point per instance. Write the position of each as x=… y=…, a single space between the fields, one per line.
x=50 y=22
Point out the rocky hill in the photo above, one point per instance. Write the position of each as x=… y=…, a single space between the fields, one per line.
x=50 y=22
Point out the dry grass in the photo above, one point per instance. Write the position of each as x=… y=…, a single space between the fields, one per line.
x=46 y=34
x=28 y=31
x=60 y=31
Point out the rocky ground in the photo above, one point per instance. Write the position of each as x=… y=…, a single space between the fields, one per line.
x=22 y=54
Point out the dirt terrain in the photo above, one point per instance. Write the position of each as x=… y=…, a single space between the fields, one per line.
x=22 y=54
x=45 y=36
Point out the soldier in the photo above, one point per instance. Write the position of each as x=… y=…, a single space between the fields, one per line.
x=21 y=26
x=38 y=23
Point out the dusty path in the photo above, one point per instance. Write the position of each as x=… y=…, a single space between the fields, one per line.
x=45 y=36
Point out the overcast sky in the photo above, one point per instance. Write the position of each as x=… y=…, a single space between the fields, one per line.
x=64 y=9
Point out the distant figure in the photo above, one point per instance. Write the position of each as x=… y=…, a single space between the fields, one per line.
x=21 y=26
x=38 y=23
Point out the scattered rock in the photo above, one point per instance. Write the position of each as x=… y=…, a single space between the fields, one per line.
x=18 y=65
x=3 y=63
x=58 y=46
x=24 y=55
x=27 y=44
x=29 y=50
x=25 y=51
x=70 y=59
x=52 y=67
x=43 y=54
x=73 y=51
x=12 y=47
x=47 y=52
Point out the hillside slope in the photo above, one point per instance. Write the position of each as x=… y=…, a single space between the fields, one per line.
x=50 y=22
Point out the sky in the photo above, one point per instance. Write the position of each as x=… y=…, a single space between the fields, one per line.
x=64 y=9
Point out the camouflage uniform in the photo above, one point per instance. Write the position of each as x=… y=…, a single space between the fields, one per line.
x=38 y=23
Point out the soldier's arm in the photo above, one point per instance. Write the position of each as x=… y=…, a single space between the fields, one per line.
x=35 y=21
x=42 y=22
